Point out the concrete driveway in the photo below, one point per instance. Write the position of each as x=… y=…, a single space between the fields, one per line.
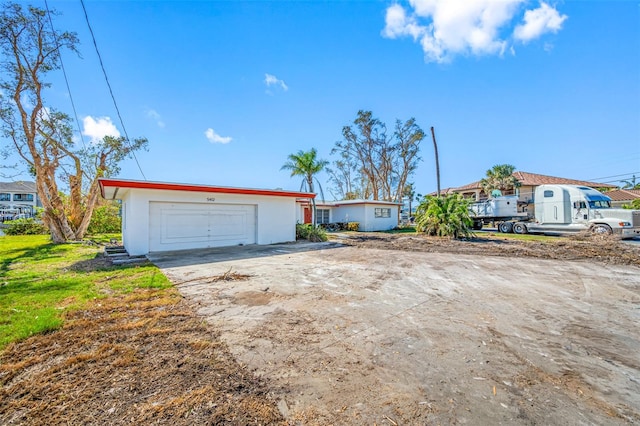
x=346 y=335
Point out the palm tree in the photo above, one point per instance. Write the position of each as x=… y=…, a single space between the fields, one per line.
x=499 y=177
x=409 y=192
x=631 y=183
x=306 y=164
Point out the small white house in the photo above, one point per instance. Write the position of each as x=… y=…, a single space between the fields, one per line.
x=160 y=216
x=371 y=215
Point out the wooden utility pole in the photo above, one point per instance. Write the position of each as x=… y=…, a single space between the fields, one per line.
x=435 y=146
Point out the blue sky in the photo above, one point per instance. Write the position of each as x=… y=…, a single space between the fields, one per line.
x=225 y=90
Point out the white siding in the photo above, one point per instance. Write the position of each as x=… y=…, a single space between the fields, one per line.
x=275 y=215
x=373 y=223
x=348 y=213
x=365 y=215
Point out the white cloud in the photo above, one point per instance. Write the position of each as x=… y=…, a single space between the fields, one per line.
x=154 y=115
x=98 y=128
x=544 y=19
x=398 y=24
x=447 y=28
x=216 y=138
x=272 y=80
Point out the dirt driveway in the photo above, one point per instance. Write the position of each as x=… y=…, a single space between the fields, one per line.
x=352 y=335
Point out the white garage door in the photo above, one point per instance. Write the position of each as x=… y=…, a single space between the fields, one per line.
x=181 y=226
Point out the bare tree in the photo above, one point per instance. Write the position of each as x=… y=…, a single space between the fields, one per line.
x=363 y=146
x=42 y=136
x=347 y=181
x=383 y=163
x=408 y=137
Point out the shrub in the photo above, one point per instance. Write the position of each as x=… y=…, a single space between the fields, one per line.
x=105 y=219
x=302 y=231
x=28 y=226
x=308 y=232
x=353 y=226
x=317 y=235
x=634 y=205
x=446 y=216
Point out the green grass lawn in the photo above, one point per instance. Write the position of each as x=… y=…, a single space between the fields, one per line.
x=40 y=281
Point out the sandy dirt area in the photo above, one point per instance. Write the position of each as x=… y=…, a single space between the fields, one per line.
x=373 y=329
x=367 y=329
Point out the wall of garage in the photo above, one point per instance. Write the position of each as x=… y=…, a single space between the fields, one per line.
x=145 y=212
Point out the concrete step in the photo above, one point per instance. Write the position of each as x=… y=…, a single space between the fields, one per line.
x=130 y=260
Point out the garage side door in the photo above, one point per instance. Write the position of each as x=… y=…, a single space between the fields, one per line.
x=181 y=226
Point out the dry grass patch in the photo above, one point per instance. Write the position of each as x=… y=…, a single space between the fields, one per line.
x=138 y=358
x=605 y=249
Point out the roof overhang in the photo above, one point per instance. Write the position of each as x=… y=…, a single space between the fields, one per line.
x=323 y=204
x=110 y=189
x=372 y=202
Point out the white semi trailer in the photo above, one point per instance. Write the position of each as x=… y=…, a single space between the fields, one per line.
x=559 y=209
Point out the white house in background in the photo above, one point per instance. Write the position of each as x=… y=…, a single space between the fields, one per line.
x=371 y=215
x=161 y=216
x=18 y=199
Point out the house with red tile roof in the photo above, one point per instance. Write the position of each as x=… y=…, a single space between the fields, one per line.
x=528 y=183
x=620 y=197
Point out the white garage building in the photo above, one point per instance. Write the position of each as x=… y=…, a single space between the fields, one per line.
x=160 y=216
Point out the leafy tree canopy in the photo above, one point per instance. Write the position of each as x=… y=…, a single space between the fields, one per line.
x=500 y=177
x=307 y=165
x=42 y=136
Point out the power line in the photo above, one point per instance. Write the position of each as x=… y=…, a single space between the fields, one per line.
x=124 y=130
x=64 y=72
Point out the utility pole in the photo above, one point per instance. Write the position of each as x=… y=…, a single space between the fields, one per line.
x=435 y=147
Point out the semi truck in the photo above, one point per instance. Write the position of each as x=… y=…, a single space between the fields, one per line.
x=558 y=209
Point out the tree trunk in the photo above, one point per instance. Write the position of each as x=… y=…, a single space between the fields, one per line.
x=313 y=213
x=435 y=147
x=52 y=204
x=92 y=200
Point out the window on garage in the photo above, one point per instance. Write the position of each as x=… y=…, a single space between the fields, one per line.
x=382 y=212
x=322 y=216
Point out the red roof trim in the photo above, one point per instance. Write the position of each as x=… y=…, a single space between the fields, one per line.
x=122 y=183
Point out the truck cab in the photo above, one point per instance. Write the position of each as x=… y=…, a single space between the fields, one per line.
x=565 y=208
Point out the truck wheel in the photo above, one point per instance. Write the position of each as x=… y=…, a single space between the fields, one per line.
x=601 y=229
x=505 y=227
x=477 y=225
x=520 y=228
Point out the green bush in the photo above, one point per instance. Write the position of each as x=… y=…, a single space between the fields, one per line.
x=307 y=232
x=105 y=219
x=317 y=235
x=634 y=205
x=302 y=231
x=353 y=226
x=445 y=216
x=29 y=226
